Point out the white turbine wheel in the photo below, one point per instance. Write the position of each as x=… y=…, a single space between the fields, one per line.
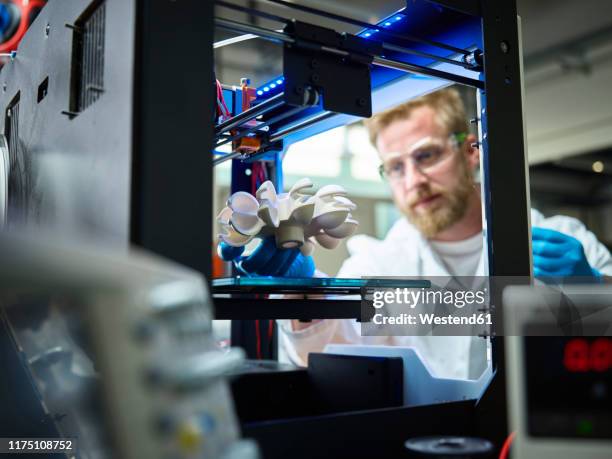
x=247 y=224
x=242 y=201
x=302 y=213
x=269 y=215
x=234 y=238
x=295 y=219
x=266 y=192
x=300 y=185
x=326 y=241
x=224 y=216
x=307 y=248
x=344 y=230
x=330 y=190
x=345 y=202
x=332 y=218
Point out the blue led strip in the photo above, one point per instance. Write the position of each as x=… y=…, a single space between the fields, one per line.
x=274 y=86
x=271 y=88
x=385 y=23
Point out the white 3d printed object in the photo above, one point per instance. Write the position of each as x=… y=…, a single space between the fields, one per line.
x=294 y=218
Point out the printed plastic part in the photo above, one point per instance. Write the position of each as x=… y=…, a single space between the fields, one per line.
x=295 y=219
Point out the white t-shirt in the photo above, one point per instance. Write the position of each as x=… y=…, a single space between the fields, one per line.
x=405 y=252
x=460 y=257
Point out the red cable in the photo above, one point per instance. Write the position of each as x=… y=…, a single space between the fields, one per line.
x=270 y=329
x=504 y=453
x=219 y=110
x=258 y=172
x=258 y=339
x=254 y=178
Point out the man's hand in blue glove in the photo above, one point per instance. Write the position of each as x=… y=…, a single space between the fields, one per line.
x=268 y=260
x=558 y=255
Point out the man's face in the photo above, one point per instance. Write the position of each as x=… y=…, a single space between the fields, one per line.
x=432 y=198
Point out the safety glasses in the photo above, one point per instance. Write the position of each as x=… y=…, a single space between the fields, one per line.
x=425 y=155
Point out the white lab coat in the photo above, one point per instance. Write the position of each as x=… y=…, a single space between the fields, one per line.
x=405 y=252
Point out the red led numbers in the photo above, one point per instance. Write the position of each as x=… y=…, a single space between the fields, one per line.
x=581 y=355
x=576 y=355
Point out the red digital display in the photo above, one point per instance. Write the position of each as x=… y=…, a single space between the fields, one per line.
x=581 y=355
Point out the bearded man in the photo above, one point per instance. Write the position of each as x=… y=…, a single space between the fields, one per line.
x=429 y=159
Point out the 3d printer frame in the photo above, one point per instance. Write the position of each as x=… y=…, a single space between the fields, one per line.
x=470 y=42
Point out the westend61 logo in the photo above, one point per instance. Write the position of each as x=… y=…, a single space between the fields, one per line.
x=412 y=297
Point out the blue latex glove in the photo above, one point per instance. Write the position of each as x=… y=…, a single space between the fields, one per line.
x=558 y=255
x=268 y=260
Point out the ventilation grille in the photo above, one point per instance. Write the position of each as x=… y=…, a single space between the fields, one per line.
x=88 y=57
x=11 y=127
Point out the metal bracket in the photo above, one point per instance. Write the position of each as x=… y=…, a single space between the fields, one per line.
x=335 y=65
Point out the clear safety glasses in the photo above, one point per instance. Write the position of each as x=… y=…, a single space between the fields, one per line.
x=425 y=155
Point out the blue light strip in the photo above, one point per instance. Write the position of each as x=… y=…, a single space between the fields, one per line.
x=273 y=87
x=384 y=24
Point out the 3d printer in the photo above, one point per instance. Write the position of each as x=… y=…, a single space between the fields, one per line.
x=331 y=79
x=110 y=133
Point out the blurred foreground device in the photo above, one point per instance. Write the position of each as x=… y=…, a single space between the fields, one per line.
x=119 y=350
x=101 y=140
x=560 y=371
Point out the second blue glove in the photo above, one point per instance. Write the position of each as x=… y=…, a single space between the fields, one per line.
x=558 y=255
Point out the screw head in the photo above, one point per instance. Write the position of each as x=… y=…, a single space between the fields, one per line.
x=504 y=46
x=361 y=102
x=315 y=77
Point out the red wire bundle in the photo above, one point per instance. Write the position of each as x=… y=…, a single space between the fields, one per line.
x=505 y=451
x=258 y=176
x=222 y=109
